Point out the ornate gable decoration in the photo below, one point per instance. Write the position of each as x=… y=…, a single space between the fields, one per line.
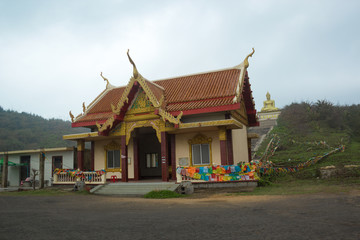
x=135 y=78
x=141 y=103
x=145 y=100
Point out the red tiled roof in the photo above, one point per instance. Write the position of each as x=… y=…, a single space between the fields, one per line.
x=104 y=104
x=199 y=104
x=200 y=86
x=196 y=91
x=156 y=89
x=96 y=116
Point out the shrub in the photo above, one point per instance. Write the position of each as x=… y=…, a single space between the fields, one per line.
x=159 y=194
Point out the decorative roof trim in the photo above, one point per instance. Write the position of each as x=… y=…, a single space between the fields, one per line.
x=228 y=122
x=71 y=116
x=109 y=123
x=246 y=62
x=46 y=150
x=167 y=116
x=108 y=85
x=243 y=66
x=80 y=135
x=143 y=83
x=124 y=97
x=135 y=71
x=95 y=101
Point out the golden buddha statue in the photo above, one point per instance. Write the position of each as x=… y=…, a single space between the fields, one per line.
x=269 y=105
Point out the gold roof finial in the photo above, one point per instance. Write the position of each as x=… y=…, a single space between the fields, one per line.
x=84 y=108
x=71 y=116
x=246 y=62
x=105 y=79
x=135 y=71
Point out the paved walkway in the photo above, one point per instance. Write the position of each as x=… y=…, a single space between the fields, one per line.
x=319 y=216
x=15 y=189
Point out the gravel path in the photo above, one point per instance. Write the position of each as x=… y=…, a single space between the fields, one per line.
x=319 y=216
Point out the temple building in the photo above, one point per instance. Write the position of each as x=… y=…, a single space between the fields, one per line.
x=147 y=129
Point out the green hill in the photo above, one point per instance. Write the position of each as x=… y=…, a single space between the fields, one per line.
x=307 y=130
x=22 y=131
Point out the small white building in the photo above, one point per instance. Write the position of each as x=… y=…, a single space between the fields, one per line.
x=22 y=162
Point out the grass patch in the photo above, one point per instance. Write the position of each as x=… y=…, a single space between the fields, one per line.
x=295 y=149
x=307 y=186
x=163 y=194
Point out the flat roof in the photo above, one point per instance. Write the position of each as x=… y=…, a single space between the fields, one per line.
x=38 y=150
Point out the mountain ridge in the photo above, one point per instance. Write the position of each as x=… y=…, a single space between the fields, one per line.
x=23 y=131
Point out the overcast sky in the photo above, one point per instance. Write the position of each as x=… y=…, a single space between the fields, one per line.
x=52 y=52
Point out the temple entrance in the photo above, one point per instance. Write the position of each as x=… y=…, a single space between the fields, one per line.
x=149 y=150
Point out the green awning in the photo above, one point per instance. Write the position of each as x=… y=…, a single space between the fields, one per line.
x=12 y=163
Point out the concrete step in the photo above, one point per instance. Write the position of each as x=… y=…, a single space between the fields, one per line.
x=137 y=189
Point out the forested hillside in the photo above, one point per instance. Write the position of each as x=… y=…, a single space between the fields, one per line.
x=23 y=131
x=307 y=130
x=322 y=117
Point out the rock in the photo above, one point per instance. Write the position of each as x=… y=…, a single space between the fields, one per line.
x=79 y=186
x=352 y=166
x=186 y=187
x=327 y=172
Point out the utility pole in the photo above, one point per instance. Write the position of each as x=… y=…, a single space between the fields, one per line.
x=4 y=179
x=41 y=169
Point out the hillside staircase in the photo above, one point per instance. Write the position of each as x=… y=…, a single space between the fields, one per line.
x=132 y=188
x=265 y=127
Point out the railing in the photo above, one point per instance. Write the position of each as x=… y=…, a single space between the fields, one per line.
x=181 y=178
x=87 y=177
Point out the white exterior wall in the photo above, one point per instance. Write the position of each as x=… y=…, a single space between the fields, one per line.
x=182 y=146
x=99 y=155
x=240 y=145
x=14 y=171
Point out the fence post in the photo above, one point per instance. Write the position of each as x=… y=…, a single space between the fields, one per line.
x=42 y=169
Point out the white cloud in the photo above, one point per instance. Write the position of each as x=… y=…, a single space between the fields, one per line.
x=51 y=54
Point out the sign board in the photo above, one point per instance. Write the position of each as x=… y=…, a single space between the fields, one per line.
x=184 y=161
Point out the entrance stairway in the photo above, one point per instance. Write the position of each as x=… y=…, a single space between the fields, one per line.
x=132 y=189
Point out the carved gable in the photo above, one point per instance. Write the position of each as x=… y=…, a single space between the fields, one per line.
x=141 y=103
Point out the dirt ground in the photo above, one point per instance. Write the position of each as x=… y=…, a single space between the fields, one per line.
x=314 y=216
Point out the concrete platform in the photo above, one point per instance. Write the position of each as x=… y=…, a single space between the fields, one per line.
x=232 y=186
x=133 y=188
x=16 y=189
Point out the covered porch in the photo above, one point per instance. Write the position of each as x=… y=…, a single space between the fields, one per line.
x=140 y=143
